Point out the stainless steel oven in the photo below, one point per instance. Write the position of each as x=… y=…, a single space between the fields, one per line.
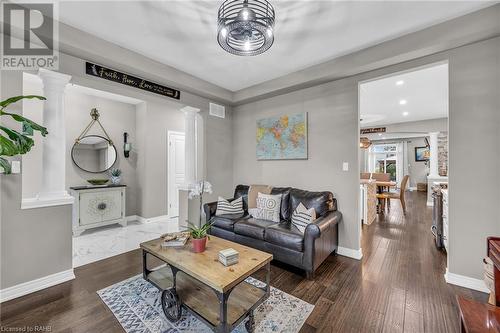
x=437 y=216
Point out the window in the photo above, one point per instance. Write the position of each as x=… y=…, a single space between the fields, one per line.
x=383 y=159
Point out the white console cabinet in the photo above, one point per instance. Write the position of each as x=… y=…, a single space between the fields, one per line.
x=97 y=206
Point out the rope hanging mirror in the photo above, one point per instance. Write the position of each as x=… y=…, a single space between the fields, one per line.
x=94 y=153
x=94 y=114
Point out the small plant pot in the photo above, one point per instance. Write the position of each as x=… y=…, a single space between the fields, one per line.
x=115 y=180
x=199 y=244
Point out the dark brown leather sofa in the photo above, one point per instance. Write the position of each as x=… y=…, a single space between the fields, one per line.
x=287 y=244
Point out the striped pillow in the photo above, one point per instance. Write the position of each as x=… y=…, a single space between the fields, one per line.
x=302 y=216
x=225 y=207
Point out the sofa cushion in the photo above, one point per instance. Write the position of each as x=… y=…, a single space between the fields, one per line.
x=268 y=207
x=226 y=221
x=225 y=207
x=322 y=202
x=253 y=191
x=242 y=191
x=285 y=201
x=285 y=234
x=302 y=216
x=252 y=227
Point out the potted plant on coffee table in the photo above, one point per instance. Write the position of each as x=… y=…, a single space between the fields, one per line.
x=199 y=235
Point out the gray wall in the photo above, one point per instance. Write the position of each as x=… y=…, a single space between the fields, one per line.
x=157 y=120
x=332 y=139
x=117 y=118
x=473 y=136
x=417 y=170
x=34 y=242
x=474 y=158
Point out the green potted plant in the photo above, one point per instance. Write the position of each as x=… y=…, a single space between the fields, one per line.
x=199 y=235
x=115 y=176
x=16 y=143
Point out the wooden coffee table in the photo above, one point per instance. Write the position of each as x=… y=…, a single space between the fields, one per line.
x=217 y=295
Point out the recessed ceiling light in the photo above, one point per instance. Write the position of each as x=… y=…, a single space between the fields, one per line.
x=403 y=102
x=380 y=134
x=400 y=82
x=406 y=113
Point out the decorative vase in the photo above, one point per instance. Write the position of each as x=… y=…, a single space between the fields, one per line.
x=199 y=244
x=115 y=180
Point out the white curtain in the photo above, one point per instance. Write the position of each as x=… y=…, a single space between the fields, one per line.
x=401 y=160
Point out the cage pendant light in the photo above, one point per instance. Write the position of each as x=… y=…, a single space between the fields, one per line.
x=245 y=27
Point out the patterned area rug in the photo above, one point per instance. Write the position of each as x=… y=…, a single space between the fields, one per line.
x=136 y=304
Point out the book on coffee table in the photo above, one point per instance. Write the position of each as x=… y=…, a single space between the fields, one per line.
x=175 y=239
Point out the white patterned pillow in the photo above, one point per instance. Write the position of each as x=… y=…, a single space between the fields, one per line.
x=225 y=207
x=268 y=207
x=302 y=216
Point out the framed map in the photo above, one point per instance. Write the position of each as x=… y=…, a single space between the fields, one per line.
x=282 y=137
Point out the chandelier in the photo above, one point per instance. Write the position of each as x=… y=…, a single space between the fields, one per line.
x=245 y=27
x=364 y=142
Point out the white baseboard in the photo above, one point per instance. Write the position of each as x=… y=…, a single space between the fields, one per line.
x=30 y=203
x=355 y=254
x=132 y=218
x=161 y=218
x=35 y=285
x=465 y=281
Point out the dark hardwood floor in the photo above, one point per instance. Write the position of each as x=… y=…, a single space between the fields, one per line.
x=398 y=286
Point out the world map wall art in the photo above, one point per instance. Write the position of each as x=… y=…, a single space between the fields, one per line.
x=282 y=137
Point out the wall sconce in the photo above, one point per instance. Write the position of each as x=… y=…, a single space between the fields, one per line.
x=127 y=147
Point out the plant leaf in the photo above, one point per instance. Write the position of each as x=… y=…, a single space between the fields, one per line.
x=26 y=122
x=23 y=142
x=7 y=147
x=5 y=165
x=12 y=100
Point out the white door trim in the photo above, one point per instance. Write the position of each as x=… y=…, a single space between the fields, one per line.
x=170 y=182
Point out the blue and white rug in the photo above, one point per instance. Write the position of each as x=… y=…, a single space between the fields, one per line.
x=136 y=304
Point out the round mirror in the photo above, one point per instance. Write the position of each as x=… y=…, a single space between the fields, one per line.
x=93 y=153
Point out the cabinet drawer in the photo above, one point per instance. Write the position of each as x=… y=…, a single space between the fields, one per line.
x=101 y=206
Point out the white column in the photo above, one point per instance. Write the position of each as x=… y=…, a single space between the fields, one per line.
x=54 y=144
x=433 y=160
x=190 y=115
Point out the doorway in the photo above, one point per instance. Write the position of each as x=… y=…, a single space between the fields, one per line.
x=403 y=123
x=176 y=176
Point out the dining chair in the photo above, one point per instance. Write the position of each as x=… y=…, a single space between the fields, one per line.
x=365 y=175
x=381 y=177
x=400 y=195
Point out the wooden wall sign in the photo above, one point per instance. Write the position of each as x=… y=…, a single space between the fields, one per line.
x=129 y=80
x=372 y=130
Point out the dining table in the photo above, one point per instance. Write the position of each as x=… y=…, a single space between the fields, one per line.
x=388 y=184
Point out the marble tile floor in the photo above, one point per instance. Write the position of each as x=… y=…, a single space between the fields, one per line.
x=104 y=242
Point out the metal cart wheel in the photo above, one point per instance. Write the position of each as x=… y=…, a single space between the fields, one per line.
x=171 y=305
x=250 y=324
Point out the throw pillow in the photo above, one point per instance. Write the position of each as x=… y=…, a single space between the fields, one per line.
x=302 y=216
x=225 y=207
x=268 y=207
x=254 y=190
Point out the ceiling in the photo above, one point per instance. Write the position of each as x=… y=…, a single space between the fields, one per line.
x=412 y=96
x=182 y=34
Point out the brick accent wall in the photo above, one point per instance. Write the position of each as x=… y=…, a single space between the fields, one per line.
x=443 y=154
